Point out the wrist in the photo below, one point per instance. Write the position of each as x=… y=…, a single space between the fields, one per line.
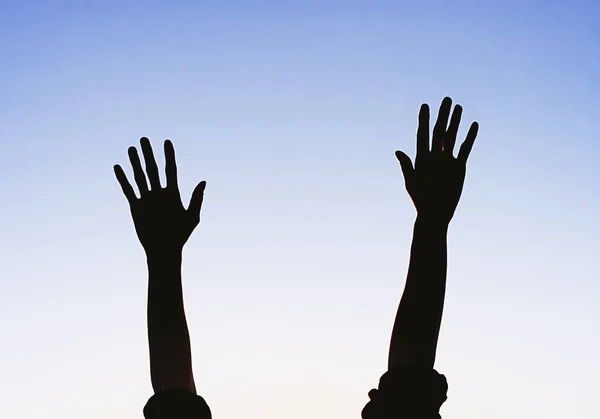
x=163 y=256
x=432 y=222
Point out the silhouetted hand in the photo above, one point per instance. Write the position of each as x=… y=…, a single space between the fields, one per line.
x=436 y=181
x=161 y=222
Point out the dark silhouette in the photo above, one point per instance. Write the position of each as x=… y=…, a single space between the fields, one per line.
x=163 y=226
x=411 y=388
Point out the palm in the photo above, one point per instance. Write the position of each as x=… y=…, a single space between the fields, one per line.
x=161 y=221
x=160 y=216
x=436 y=181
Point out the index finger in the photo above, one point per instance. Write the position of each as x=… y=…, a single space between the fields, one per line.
x=423 y=130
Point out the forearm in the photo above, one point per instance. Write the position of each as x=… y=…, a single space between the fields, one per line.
x=417 y=325
x=168 y=335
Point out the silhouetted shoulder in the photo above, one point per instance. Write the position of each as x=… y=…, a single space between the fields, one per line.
x=408 y=392
x=176 y=404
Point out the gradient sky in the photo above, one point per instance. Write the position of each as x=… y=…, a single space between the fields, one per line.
x=292 y=111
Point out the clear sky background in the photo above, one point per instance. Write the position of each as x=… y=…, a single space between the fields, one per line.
x=292 y=112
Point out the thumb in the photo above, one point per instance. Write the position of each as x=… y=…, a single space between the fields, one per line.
x=407 y=167
x=196 y=200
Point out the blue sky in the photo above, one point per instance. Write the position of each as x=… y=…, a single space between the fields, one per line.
x=292 y=111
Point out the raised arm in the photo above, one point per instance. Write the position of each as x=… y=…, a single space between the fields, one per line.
x=411 y=388
x=163 y=226
x=435 y=184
